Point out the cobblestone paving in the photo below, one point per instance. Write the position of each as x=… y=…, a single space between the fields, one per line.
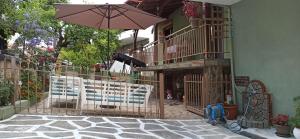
x=84 y=127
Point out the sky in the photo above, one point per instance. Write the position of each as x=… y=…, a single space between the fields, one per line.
x=98 y=1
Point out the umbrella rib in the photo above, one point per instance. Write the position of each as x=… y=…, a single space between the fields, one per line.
x=97 y=12
x=130 y=19
x=74 y=13
x=97 y=7
x=101 y=22
x=121 y=13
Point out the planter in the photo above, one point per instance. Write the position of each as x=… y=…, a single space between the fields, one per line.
x=194 y=22
x=8 y=111
x=296 y=132
x=231 y=111
x=282 y=131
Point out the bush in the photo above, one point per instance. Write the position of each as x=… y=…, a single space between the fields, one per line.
x=280 y=119
x=6 y=92
x=295 y=121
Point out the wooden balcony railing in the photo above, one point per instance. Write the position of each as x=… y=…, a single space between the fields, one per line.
x=147 y=53
x=183 y=43
x=204 y=42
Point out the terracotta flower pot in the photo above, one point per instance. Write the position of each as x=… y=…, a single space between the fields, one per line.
x=282 y=130
x=231 y=111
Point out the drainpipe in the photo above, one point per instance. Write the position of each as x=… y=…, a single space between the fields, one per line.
x=231 y=59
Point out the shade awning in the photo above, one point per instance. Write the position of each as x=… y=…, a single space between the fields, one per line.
x=128 y=60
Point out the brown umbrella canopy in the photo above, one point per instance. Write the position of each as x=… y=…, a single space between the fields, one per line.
x=106 y=16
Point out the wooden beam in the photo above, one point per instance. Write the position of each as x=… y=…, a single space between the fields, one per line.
x=161 y=95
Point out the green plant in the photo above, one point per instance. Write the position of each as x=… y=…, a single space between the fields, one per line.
x=295 y=121
x=297 y=105
x=6 y=92
x=31 y=88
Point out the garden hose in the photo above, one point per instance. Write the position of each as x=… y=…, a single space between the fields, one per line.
x=236 y=127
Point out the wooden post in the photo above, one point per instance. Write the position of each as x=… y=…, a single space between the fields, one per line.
x=161 y=95
x=160 y=49
x=205 y=88
x=14 y=78
x=185 y=90
x=4 y=67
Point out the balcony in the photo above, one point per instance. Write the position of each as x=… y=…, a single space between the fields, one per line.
x=188 y=47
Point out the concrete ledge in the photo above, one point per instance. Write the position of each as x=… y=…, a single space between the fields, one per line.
x=8 y=111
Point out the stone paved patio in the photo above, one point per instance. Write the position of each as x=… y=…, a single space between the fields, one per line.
x=69 y=127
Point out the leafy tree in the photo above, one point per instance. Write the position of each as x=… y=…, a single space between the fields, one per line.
x=90 y=48
x=101 y=41
x=86 y=57
x=36 y=22
x=7 y=12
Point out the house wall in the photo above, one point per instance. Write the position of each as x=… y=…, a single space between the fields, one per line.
x=9 y=67
x=179 y=20
x=266 y=41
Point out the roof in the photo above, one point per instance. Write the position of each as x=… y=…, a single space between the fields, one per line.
x=161 y=8
x=129 y=40
x=128 y=60
x=223 y=2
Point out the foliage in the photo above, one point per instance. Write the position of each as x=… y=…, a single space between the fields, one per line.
x=295 y=121
x=43 y=58
x=6 y=92
x=86 y=56
x=101 y=41
x=280 y=119
x=191 y=9
x=7 y=12
x=31 y=88
x=88 y=47
x=297 y=105
x=35 y=23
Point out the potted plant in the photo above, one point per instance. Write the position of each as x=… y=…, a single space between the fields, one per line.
x=231 y=110
x=280 y=122
x=295 y=121
x=192 y=12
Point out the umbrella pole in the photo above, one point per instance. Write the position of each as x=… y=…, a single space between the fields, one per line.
x=108 y=49
x=108 y=36
x=108 y=41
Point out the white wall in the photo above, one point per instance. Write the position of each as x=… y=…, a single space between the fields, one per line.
x=147 y=33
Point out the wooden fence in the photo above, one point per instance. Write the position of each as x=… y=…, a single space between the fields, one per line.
x=199 y=91
x=38 y=84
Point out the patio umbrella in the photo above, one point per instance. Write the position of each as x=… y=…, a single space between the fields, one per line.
x=106 y=16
